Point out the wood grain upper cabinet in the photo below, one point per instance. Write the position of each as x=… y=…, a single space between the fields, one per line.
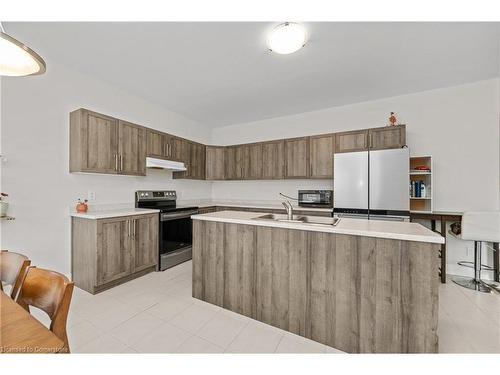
x=160 y=145
x=297 y=157
x=192 y=154
x=155 y=143
x=197 y=161
x=351 y=141
x=214 y=159
x=145 y=241
x=103 y=144
x=93 y=143
x=181 y=149
x=132 y=149
x=234 y=162
x=321 y=155
x=273 y=160
x=113 y=250
x=252 y=161
x=387 y=137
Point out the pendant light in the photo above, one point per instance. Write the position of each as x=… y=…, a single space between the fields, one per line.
x=16 y=59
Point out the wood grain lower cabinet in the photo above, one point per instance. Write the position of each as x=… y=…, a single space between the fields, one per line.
x=388 y=137
x=351 y=141
x=114 y=250
x=297 y=157
x=321 y=155
x=357 y=294
x=273 y=160
x=215 y=164
x=108 y=252
x=234 y=163
x=207 y=210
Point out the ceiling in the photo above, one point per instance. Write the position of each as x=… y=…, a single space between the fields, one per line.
x=221 y=73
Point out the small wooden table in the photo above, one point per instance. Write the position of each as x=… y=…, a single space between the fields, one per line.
x=445 y=217
x=22 y=333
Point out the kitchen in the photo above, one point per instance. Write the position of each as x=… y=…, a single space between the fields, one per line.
x=295 y=226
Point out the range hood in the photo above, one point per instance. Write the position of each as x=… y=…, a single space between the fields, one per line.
x=165 y=164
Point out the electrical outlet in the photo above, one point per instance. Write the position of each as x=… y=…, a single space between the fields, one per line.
x=91 y=195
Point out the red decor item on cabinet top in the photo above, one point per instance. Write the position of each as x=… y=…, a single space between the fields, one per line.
x=82 y=207
x=393 y=119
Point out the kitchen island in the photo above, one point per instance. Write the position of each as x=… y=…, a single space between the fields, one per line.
x=360 y=286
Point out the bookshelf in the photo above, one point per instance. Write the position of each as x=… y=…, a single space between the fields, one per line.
x=423 y=204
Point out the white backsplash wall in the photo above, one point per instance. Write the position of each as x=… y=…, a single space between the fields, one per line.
x=265 y=191
x=35 y=141
x=458 y=126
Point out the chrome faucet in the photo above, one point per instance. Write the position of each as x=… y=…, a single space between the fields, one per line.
x=289 y=209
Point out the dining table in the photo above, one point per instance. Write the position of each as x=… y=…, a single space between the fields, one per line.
x=20 y=332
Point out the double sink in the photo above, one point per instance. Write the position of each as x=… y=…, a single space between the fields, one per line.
x=298 y=219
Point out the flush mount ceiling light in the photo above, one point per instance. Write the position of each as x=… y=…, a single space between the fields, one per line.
x=16 y=59
x=287 y=38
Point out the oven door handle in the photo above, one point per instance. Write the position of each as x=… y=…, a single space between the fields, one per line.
x=167 y=217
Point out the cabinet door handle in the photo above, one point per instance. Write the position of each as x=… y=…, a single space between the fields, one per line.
x=135 y=227
x=116 y=162
x=128 y=228
x=121 y=162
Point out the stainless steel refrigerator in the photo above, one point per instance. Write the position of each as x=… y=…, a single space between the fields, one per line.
x=372 y=184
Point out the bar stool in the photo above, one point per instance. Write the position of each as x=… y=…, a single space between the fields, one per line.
x=478 y=227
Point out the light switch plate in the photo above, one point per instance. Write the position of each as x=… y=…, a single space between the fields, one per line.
x=91 y=195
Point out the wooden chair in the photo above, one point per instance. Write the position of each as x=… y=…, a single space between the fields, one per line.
x=13 y=266
x=51 y=292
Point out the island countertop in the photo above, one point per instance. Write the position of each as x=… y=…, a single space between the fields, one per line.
x=397 y=230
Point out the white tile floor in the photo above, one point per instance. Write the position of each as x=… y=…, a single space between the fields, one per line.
x=156 y=314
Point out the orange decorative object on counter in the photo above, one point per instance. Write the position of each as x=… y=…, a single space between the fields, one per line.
x=82 y=206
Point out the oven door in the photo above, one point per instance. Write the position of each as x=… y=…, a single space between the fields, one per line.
x=176 y=238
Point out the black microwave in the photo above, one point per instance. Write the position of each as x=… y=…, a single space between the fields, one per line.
x=316 y=198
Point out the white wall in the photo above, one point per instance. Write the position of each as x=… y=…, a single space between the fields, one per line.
x=35 y=134
x=458 y=126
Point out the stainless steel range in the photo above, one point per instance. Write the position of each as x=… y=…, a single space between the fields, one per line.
x=176 y=230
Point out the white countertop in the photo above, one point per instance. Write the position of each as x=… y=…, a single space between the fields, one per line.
x=275 y=204
x=397 y=230
x=103 y=214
